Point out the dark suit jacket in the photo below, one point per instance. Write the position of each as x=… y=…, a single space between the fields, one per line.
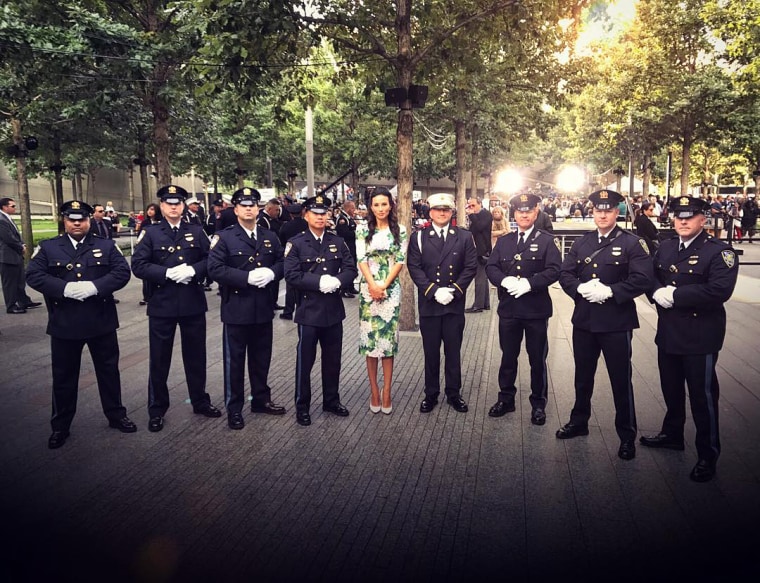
x=305 y=263
x=106 y=233
x=156 y=250
x=623 y=263
x=539 y=263
x=233 y=255
x=704 y=275
x=55 y=263
x=11 y=244
x=452 y=263
x=480 y=227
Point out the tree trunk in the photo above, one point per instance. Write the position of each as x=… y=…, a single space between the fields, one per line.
x=685 y=164
x=58 y=190
x=646 y=175
x=79 y=187
x=23 y=187
x=474 y=164
x=460 y=152
x=161 y=140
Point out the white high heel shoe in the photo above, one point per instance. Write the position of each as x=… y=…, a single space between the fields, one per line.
x=387 y=410
x=373 y=408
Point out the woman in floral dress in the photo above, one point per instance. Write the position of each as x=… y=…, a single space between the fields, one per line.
x=381 y=253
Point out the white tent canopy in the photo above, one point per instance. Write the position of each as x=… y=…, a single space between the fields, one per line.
x=637 y=186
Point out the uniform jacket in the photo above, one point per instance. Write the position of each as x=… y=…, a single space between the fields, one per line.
x=11 y=244
x=346 y=228
x=156 y=250
x=305 y=263
x=233 y=254
x=704 y=275
x=452 y=263
x=622 y=262
x=293 y=227
x=480 y=227
x=55 y=263
x=539 y=263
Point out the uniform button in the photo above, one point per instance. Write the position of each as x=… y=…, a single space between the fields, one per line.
x=437 y=281
x=324 y=269
x=451 y=267
x=593 y=275
x=259 y=263
x=691 y=271
x=181 y=258
x=80 y=265
x=595 y=265
x=672 y=283
x=79 y=275
x=518 y=267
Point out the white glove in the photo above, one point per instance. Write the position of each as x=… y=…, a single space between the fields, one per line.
x=73 y=291
x=186 y=274
x=87 y=289
x=521 y=288
x=509 y=283
x=586 y=288
x=664 y=296
x=174 y=273
x=267 y=274
x=328 y=284
x=444 y=295
x=600 y=293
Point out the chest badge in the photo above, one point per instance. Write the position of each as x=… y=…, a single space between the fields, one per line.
x=533 y=247
x=617 y=251
x=189 y=237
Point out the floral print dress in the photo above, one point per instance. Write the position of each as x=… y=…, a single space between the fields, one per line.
x=378 y=320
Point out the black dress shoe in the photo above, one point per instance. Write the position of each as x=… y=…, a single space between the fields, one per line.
x=16 y=309
x=428 y=404
x=285 y=316
x=30 y=305
x=355 y=291
x=116 y=300
x=235 y=421
x=338 y=410
x=627 y=450
x=570 y=430
x=538 y=417
x=279 y=307
x=662 y=441
x=124 y=425
x=143 y=302
x=269 y=408
x=57 y=439
x=702 y=472
x=501 y=408
x=473 y=310
x=207 y=410
x=303 y=419
x=156 y=424
x=457 y=403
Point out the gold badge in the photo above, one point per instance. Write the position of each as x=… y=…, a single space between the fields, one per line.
x=288 y=247
x=246 y=191
x=644 y=246
x=172 y=190
x=75 y=205
x=214 y=241
x=603 y=194
x=684 y=201
x=728 y=258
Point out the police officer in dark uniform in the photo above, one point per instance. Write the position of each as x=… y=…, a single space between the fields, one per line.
x=296 y=224
x=318 y=264
x=442 y=262
x=77 y=273
x=345 y=227
x=171 y=256
x=246 y=260
x=603 y=272
x=695 y=275
x=522 y=265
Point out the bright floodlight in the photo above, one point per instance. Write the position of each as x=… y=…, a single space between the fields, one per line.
x=508 y=181
x=571 y=179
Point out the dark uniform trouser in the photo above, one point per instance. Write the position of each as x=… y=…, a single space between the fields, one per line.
x=616 y=347
x=536 y=345
x=256 y=341
x=330 y=339
x=14 y=284
x=482 y=288
x=449 y=329
x=192 y=331
x=698 y=372
x=66 y=358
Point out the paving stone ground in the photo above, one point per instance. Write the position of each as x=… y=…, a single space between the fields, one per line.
x=406 y=497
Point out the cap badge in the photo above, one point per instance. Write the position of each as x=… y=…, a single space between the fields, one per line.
x=684 y=201
x=603 y=194
x=246 y=191
x=76 y=205
x=172 y=190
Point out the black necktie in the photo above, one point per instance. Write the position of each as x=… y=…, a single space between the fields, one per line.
x=319 y=241
x=602 y=239
x=102 y=230
x=441 y=234
x=681 y=247
x=253 y=236
x=521 y=242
